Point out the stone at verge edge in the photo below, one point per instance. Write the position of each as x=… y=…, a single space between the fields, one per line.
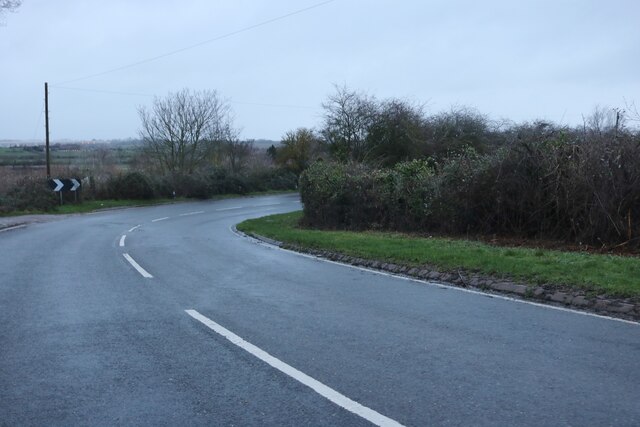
x=509 y=287
x=599 y=304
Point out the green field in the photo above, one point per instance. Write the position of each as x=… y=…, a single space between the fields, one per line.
x=77 y=155
x=602 y=274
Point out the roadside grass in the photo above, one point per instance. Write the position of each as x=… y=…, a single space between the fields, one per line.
x=96 y=205
x=92 y=206
x=599 y=274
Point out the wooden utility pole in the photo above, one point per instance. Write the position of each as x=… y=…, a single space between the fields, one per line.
x=46 y=126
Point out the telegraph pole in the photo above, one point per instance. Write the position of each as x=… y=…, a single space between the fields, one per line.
x=46 y=126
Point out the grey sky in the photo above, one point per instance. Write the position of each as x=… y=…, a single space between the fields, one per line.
x=519 y=60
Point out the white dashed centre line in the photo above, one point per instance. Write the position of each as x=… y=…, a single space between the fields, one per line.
x=124 y=236
x=268 y=204
x=323 y=390
x=229 y=209
x=135 y=265
x=191 y=213
x=160 y=219
x=133 y=228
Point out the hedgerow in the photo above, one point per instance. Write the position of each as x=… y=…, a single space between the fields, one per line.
x=552 y=185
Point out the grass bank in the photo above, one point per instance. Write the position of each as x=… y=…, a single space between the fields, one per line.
x=603 y=274
x=95 y=205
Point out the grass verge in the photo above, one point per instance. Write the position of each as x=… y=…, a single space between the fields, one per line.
x=95 y=205
x=603 y=274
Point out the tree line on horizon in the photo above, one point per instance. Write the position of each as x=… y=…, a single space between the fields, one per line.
x=387 y=164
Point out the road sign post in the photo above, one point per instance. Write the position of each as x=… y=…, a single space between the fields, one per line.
x=62 y=185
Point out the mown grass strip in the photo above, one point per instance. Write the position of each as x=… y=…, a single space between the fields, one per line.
x=603 y=274
x=96 y=205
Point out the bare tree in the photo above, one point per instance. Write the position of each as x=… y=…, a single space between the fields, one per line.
x=236 y=153
x=347 y=119
x=633 y=114
x=604 y=121
x=181 y=131
x=298 y=150
x=8 y=6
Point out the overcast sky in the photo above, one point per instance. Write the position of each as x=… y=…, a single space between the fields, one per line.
x=520 y=60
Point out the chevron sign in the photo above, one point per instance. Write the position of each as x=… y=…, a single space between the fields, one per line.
x=58 y=184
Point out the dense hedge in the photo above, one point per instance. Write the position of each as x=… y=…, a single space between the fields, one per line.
x=29 y=194
x=132 y=185
x=202 y=184
x=33 y=194
x=583 y=192
x=355 y=197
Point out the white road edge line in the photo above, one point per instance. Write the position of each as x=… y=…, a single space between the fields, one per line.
x=191 y=213
x=134 y=228
x=135 y=265
x=124 y=236
x=267 y=204
x=229 y=209
x=323 y=390
x=436 y=284
x=160 y=219
x=14 y=227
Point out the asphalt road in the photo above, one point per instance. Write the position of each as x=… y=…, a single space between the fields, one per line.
x=86 y=339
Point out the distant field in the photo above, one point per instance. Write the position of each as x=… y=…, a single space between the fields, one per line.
x=61 y=155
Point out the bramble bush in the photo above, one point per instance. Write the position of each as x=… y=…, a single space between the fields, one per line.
x=131 y=185
x=29 y=194
x=553 y=184
x=202 y=184
x=354 y=196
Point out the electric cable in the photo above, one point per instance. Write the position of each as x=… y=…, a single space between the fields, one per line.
x=173 y=52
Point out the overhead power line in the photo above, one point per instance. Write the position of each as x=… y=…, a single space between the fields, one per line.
x=114 y=92
x=173 y=52
x=110 y=92
x=263 y=104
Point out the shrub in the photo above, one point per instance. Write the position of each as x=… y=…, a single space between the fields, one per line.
x=30 y=194
x=549 y=183
x=357 y=197
x=131 y=185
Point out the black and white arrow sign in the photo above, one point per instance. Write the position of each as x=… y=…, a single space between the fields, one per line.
x=57 y=184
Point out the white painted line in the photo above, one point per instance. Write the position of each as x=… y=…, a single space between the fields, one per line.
x=134 y=228
x=323 y=390
x=15 y=227
x=135 y=265
x=436 y=284
x=229 y=209
x=268 y=204
x=191 y=213
x=160 y=219
x=124 y=236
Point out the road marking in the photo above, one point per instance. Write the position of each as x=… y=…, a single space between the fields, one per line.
x=135 y=265
x=124 y=236
x=160 y=219
x=323 y=390
x=15 y=227
x=268 y=204
x=134 y=228
x=229 y=209
x=234 y=230
x=191 y=213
